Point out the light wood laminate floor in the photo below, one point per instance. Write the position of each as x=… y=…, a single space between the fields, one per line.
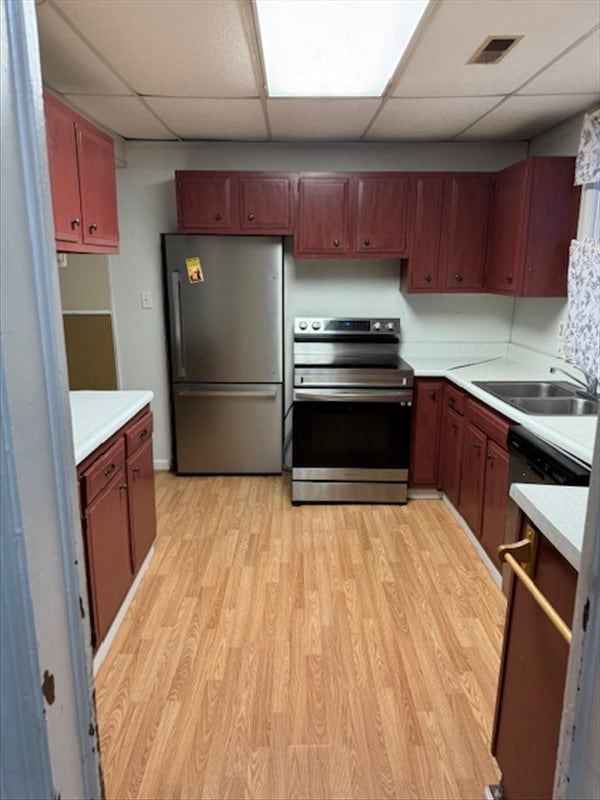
x=321 y=651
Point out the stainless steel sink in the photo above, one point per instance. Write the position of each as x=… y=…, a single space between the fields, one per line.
x=513 y=389
x=542 y=397
x=556 y=405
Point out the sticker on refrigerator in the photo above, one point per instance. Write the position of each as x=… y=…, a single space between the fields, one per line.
x=194 y=270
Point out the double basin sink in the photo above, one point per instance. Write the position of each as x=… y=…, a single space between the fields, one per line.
x=542 y=397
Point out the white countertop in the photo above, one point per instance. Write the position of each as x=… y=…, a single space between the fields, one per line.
x=571 y=434
x=97 y=415
x=558 y=512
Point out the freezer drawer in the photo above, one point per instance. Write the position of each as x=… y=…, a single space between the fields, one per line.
x=227 y=428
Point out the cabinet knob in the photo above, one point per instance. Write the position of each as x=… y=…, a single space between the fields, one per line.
x=459 y=277
x=218 y=216
x=455 y=426
x=336 y=243
x=491 y=458
x=110 y=469
x=366 y=241
x=433 y=394
x=136 y=469
x=451 y=402
x=75 y=223
x=123 y=487
x=509 y=278
x=477 y=446
x=144 y=433
x=93 y=227
x=251 y=216
x=428 y=277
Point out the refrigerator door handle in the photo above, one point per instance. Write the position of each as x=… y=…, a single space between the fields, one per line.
x=224 y=393
x=178 y=336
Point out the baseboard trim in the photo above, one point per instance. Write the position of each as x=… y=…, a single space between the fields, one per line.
x=424 y=494
x=162 y=465
x=487 y=562
x=102 y=651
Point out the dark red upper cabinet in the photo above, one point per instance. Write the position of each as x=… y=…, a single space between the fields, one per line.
x=381 y=215
x=464 y=232
x=96 y=156
x=81 y=162
x=205 y=202
x=449 y=225
x=426 y=229
x=64 y=175
x=266 y=203
x=323 y=227
x=533 y=219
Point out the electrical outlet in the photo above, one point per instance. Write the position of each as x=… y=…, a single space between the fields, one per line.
x=146 y=299
x=61 y=259
x=560 y=344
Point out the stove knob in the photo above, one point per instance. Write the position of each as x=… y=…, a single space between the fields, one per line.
x=377 y=326
x=316 y=325
x=303 y=326
x=389 y=326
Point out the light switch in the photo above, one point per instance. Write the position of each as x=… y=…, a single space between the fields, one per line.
x=146 y=299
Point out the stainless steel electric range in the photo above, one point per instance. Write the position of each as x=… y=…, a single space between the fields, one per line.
x=351 y=414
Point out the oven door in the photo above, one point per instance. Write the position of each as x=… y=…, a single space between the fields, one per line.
x=352 y=435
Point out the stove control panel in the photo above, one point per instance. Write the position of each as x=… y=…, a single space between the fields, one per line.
x=340 y=326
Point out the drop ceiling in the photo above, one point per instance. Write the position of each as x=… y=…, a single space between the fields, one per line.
x=192 y=70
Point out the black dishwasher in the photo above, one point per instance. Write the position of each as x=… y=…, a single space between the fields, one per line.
x=532 y=460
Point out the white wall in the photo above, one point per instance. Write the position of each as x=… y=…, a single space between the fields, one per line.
x=146 y=194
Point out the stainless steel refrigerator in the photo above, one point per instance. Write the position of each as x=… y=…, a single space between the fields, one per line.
x=225 y=323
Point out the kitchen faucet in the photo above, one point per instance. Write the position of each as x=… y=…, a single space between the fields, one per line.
x=590 y=384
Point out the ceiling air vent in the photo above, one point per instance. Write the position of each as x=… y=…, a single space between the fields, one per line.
x=493 y=49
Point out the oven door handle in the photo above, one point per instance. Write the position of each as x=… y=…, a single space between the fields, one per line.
x=403 y=398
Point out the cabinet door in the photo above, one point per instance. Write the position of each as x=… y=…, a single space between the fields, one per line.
x=64 y=176
x=504 y=254
x=494 y=500
x=532 y=679
x=552 y=223
x=381 y=211
x=205 y=201
x=451 y=453
x=473 y=477
x=426 y=420
x=323 y=216
x=109 y=563
x=142 y=503
x=464 y=232
x=97 y=186
x=426 y=228
x=266 y=203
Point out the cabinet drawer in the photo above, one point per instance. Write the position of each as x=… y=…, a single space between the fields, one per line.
x=492 y=424
x=455 y=399
x=103 y=470
x=138 y=433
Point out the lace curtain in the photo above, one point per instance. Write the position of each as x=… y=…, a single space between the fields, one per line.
x=582 y=335
x=587 y=167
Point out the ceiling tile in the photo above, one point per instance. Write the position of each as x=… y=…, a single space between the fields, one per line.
x=126 y=116
x=181 y=48
x=523 y=117
x=578 y=71
x=437 y=118
x=209 y=118
x=437 y=66
x=325 y=119
x=68 y=65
